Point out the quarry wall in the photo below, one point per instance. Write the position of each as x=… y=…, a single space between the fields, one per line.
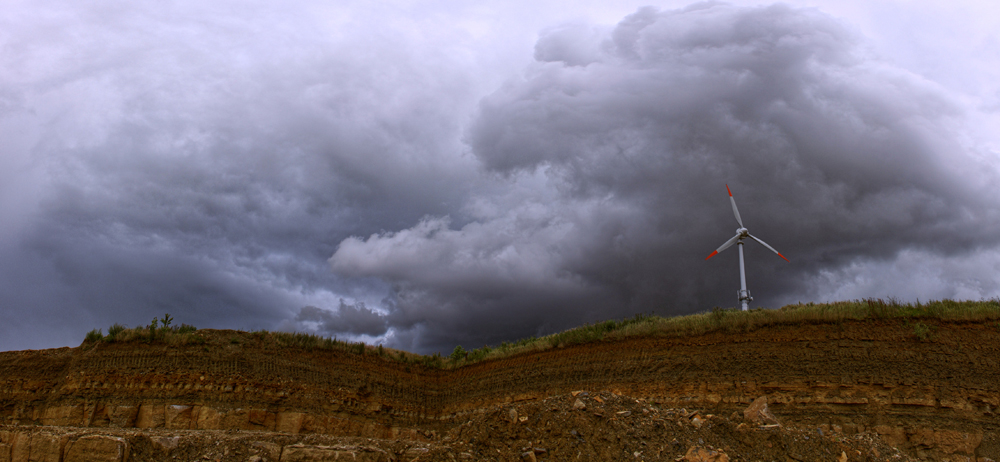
x=931 y=395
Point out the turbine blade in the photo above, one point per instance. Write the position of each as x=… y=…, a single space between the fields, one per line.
x=736 y=211
x=725 y=246
x=769 y=247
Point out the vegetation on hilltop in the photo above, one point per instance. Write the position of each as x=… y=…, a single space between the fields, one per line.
x=159 y=329
x=726 y=320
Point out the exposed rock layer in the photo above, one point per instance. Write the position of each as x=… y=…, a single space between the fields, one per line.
x=611 y=428
x=933 y=397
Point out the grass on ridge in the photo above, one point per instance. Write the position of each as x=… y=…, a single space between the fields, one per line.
x=159 y=329
x=727 y=320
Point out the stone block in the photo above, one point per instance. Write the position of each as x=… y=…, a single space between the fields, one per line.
x=97 y=448
x=166 y=443
x=209 y=419
x=320 y=424
x=122 y=416
x=46 y=447
x=150 y=416
x=262 y=420
x=62 y=416
x=289 y=422
x=20 y=447
x=236 y=419
x=178 y=416
x=97 y=416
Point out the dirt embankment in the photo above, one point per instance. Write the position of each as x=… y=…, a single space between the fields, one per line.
x=932 y=397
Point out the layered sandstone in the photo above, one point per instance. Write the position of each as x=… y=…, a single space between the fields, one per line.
x=933 y=397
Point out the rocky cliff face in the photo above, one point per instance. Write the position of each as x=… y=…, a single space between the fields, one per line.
x=932 y=397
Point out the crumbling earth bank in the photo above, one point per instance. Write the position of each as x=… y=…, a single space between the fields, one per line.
x=932 y=396
x=577 y=426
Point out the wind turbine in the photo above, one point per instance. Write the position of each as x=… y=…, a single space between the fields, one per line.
x=741 y=233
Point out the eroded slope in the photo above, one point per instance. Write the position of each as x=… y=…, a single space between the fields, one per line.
x=933 y=396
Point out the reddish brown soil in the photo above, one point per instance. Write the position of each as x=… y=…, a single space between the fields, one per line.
x=931 y=397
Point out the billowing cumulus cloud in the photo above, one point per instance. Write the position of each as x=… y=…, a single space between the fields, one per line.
x=441 y=173
x=196 y=160
x=628 y=137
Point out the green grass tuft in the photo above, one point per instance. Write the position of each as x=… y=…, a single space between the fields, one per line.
x=94 y=336
x=158 y=330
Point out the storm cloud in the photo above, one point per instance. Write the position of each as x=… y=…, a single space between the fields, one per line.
x=348 y=319
x=158 y=164
x=627 y=142
x=429 y=175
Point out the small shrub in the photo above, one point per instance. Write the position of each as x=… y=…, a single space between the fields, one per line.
x=114 y=331
x=458 y=353
x=433 y=361
x=479 y=353
x=94 y=336
x=152 y=329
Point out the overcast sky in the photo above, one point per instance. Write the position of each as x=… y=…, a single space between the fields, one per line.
x=426 y=174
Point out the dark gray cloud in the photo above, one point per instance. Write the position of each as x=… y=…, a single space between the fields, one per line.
x=618 y=150
x=197 y=161
x=470 y=179
x=356 y=319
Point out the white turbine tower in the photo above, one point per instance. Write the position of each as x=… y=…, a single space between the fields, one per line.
x=741 y=234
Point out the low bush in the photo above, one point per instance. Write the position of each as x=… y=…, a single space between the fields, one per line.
x=95 y=335
x=115 y=330
x=458 y=354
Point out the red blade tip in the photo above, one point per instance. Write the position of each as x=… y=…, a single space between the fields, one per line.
x=713 y=254
x=728 y=191
x=782 y=256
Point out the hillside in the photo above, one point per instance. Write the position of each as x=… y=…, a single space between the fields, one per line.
x=925 y=385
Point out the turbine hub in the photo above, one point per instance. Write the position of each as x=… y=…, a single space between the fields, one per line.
x=742 y=232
